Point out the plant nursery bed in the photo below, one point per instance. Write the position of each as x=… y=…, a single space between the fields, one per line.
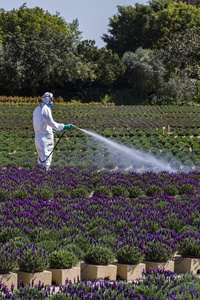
x=59 y=276
x=9 y=279
x=130 y=272
x=92 y=272
x=45 y=277
x=187 y=265
x=168 y=265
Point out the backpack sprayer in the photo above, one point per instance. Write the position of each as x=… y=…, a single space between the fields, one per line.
x=62 y=134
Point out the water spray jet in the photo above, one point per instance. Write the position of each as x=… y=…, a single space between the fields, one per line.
x=123 y=155
x=127 y=153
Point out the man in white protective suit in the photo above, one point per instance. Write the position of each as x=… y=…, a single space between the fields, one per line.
x=44 y=125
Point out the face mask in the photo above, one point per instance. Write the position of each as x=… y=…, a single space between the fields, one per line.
x=50 y=105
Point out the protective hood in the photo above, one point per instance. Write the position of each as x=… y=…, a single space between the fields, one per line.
x=46 y=98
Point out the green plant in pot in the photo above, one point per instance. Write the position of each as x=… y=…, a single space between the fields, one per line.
x=8 y=259
x=62 y=259
x=34 y=259
x=158 y=251
x=99 y=255
x=189 y=245
x=70 y=247
x=129 y=255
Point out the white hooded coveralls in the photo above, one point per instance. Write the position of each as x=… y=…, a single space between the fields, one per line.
x=44 y=140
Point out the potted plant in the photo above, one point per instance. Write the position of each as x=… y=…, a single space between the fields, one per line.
x=32 y=263
x=8 y=264
x=188 y=258
x=97 y=263
x=62 y=265
x=129 y=265
x=159 y=254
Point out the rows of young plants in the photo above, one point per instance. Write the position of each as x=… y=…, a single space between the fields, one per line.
x=83 y=212
x=183 y=154
x=140 y=128
x=124 y=119
x=90 y=204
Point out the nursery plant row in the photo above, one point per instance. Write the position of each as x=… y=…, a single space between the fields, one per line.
x=156 y=284
x=70 y=214
x=99 y=205
x=179 y=153
x=123 y=119
x=142 y=128
x=79 y=205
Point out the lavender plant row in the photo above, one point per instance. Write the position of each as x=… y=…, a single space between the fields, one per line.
x=72 y=205
x=103 y=117
x=155 y=285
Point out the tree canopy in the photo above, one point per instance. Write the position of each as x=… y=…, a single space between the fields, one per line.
x=147 y=26
x=30 y=20
x=151 y=54
x=145 y=71
x=34 y=63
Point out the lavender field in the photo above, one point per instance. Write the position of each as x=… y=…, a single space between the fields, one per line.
x=88 y=199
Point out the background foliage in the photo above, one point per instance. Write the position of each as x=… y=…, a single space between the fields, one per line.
x=151 y=55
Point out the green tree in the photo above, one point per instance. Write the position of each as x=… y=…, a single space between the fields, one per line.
x=190 y=2
x=106 y=65
x=181 y=53
x=147 y=25
x=30 y=64
x=30 y=20
x=107 y=68
x=38 y=52
x=145 y=72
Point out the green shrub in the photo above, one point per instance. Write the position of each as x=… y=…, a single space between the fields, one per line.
x=45 y=193
x=103 y=191
x=73 y=248
x=186 y=188
x=8 y=233
x=187 y=228
x=80 y=191
x=135 y=192
x=110 y=165
x=8 y=258
x=99 y=255
x=189 y=246
x=62 y=259
x=19 y=242
x=153 y=190
x=155 y=151
x=171 y=190
x=20 y=194
x=129 y=255
x=119 y=190
x=4 y=193
x=33 y=259
x=49 y=244
x=158 y=252
x=82 y=242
